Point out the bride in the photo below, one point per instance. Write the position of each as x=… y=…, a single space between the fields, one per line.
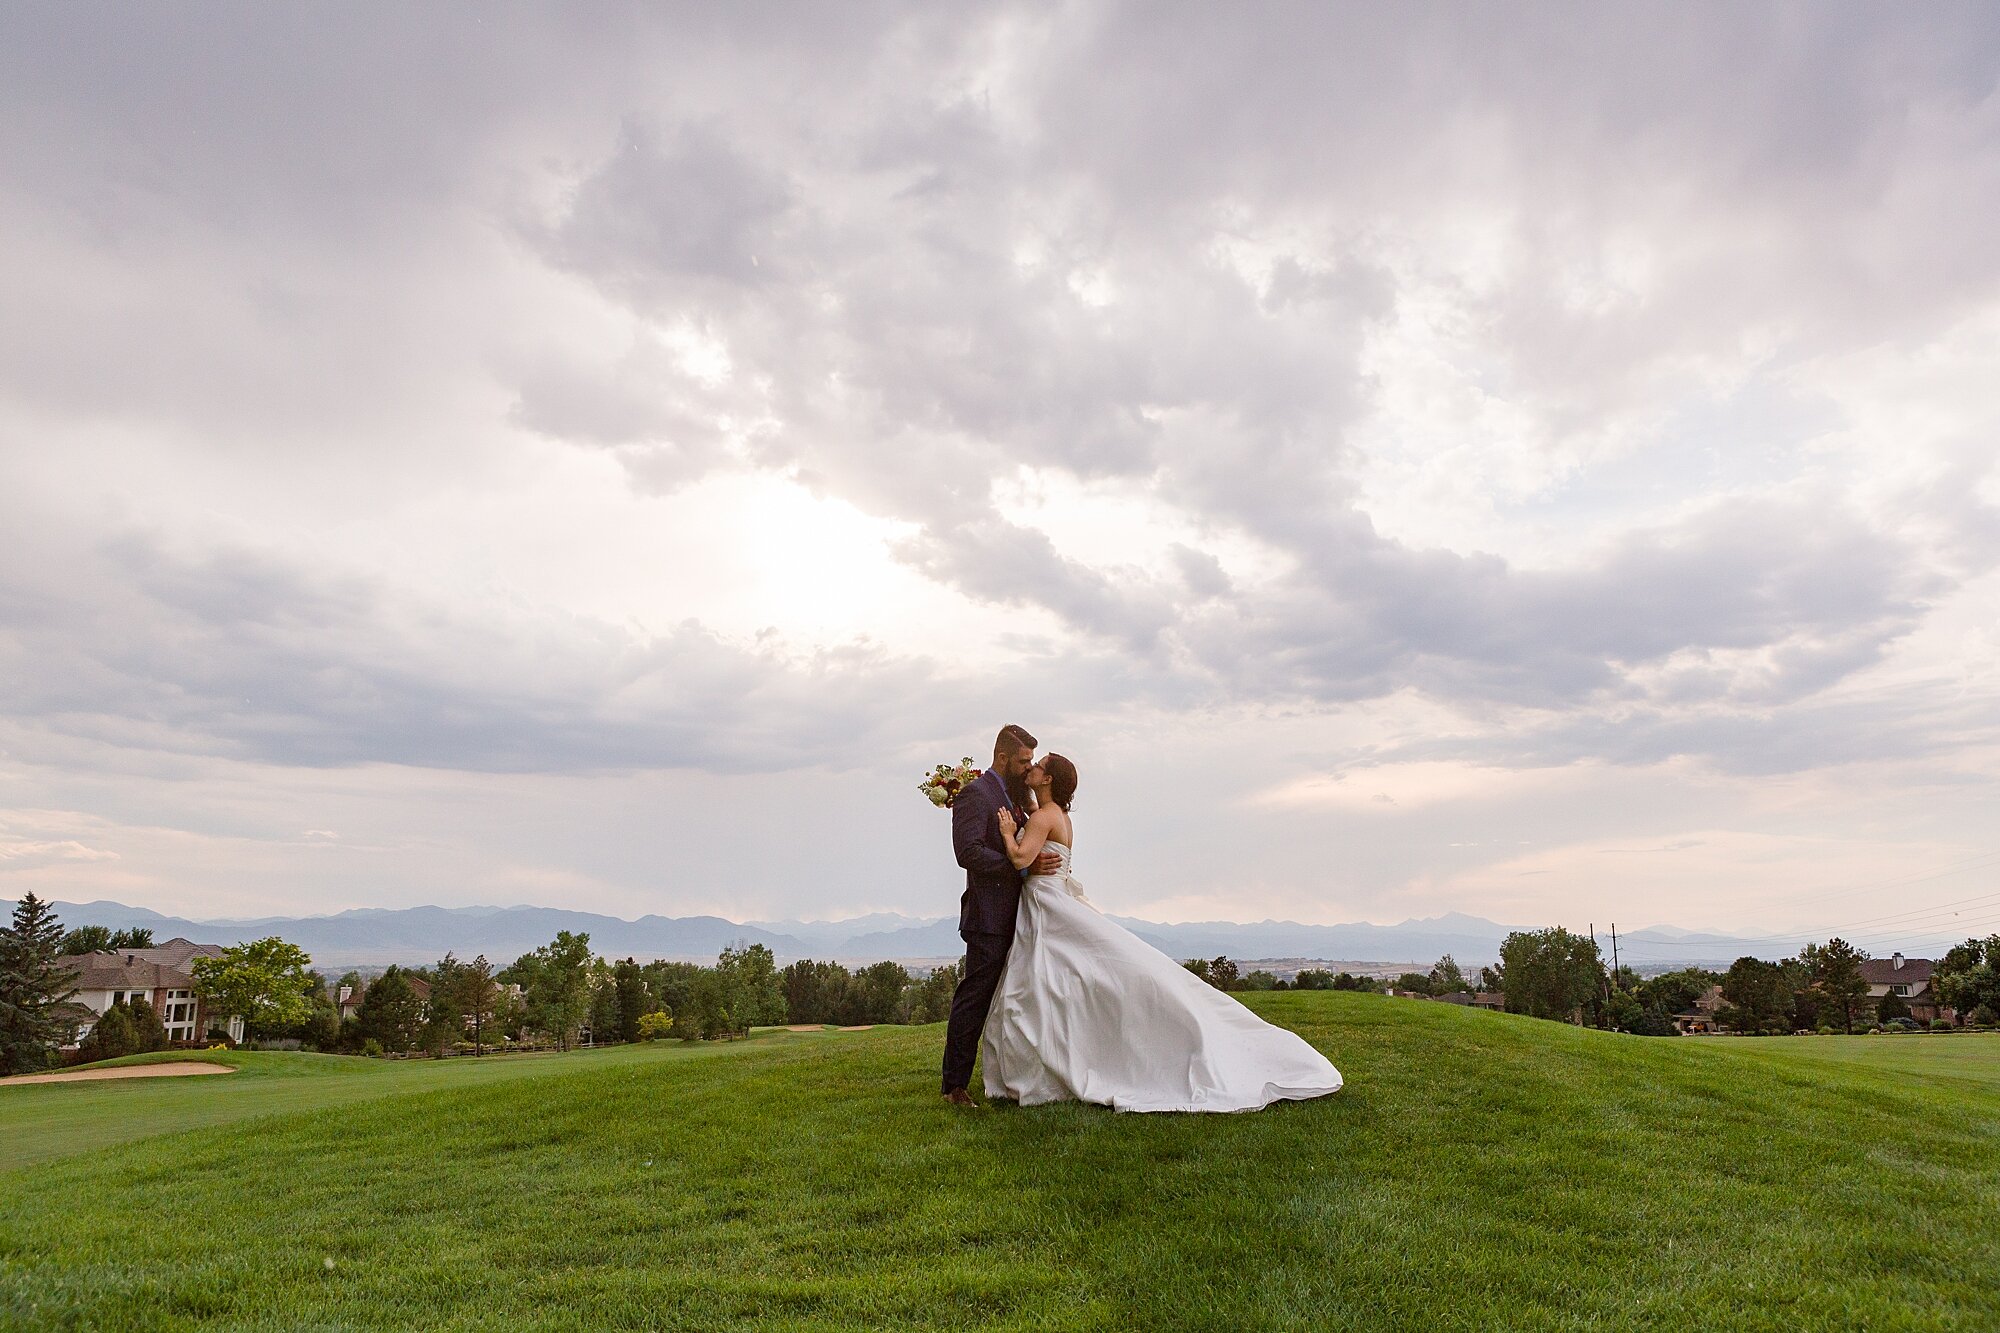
x=1086 y=1010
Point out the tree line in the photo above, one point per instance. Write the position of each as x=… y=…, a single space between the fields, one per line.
x=561 y=994
x=1559 y=974
x=556 y=995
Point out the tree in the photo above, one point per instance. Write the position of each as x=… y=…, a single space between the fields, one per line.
x=1653 y=1021
x=633 y=1003
x=37 y=993
x=1220 y=973
x=655 y=1025
x=930 y=999
x=1755 y=997
x=444 y=1020
x=814 y=991
x=1417 y=983
x=1967 y=978
x=132 y=937
x=321 y=1030
x=148 y=1032
x=1313 y=978
x=757 y=993
x=1675 y=992
x=1446 y=978
x=1550 y=973
x=478 y=999
x=264 y=981
x=602 y=984
x=1492 y=979
x=391 y=1015
x=86 y=939
x=1260 y=980
x=557 y=979
x=672 y=984
x=878 y=992
x=110 y=1036
x=1835 y=972
x=1891 y=1006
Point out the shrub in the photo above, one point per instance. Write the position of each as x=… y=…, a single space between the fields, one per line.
x=1828 y=1030
x=111 y=1036
x=148 y=1032
x=653 y=1026
x=370 y=1046
x=1984 y=1017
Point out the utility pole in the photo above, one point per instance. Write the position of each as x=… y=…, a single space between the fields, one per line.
x=1614 y=948
x=1600 y=972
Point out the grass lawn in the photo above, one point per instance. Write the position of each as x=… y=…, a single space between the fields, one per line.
x=1479 y=1172
x=45 y=1121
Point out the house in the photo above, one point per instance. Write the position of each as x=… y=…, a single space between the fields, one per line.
x=350 y=998
x=1486 y=999
x=162 y=976
x=1910 y=980
x=1701 y=1018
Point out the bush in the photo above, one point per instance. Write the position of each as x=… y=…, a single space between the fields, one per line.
x=370 y=1046
x=148 y=1032
x=653 y=1026
x=1940 y=1025
x=111 y=1036
x=1984 y=1017
x=1828 y=1030
x=1901 y=1025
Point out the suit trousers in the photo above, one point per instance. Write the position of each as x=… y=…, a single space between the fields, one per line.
x=985 y=960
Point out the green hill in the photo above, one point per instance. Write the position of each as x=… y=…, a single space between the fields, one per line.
x=1479 y=1172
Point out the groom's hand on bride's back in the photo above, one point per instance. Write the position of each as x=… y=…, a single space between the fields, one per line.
x=1046 y=864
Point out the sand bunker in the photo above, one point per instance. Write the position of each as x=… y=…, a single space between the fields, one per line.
x=175 y=1069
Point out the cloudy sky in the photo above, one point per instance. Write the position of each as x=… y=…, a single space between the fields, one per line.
x=1536 y=462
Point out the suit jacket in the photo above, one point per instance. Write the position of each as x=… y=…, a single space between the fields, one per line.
x=992 y=885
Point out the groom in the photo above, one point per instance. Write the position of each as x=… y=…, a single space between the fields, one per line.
x=992 y=896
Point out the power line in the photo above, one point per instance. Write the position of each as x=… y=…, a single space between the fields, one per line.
x=1890 y=923
x=1822 y=895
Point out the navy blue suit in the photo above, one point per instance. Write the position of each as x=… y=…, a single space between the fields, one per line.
x=986 y=914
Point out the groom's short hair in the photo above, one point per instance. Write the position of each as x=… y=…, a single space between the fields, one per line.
x=1012 y=737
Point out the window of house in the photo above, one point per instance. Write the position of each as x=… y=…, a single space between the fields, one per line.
x=1900 y=989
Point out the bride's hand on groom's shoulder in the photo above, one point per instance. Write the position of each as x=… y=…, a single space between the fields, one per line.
x=1006 y=821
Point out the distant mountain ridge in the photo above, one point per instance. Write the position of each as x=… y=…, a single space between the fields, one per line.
x=423 y=934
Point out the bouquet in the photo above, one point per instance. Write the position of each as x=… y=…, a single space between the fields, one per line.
x=946 y=781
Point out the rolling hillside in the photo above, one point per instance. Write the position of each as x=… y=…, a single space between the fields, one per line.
x=1479 y=1172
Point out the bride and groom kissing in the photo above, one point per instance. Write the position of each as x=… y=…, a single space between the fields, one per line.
x=1059 y=1002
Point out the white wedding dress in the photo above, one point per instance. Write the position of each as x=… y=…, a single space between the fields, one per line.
x=1088 y=1011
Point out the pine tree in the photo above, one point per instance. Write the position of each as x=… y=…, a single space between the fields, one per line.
x=36 y=992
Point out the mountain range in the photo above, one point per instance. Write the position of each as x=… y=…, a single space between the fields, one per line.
x=377 y=935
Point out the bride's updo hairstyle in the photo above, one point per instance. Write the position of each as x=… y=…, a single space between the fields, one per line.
x=1062 y=779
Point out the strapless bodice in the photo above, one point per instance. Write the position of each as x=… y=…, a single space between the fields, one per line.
x=1053 y=846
